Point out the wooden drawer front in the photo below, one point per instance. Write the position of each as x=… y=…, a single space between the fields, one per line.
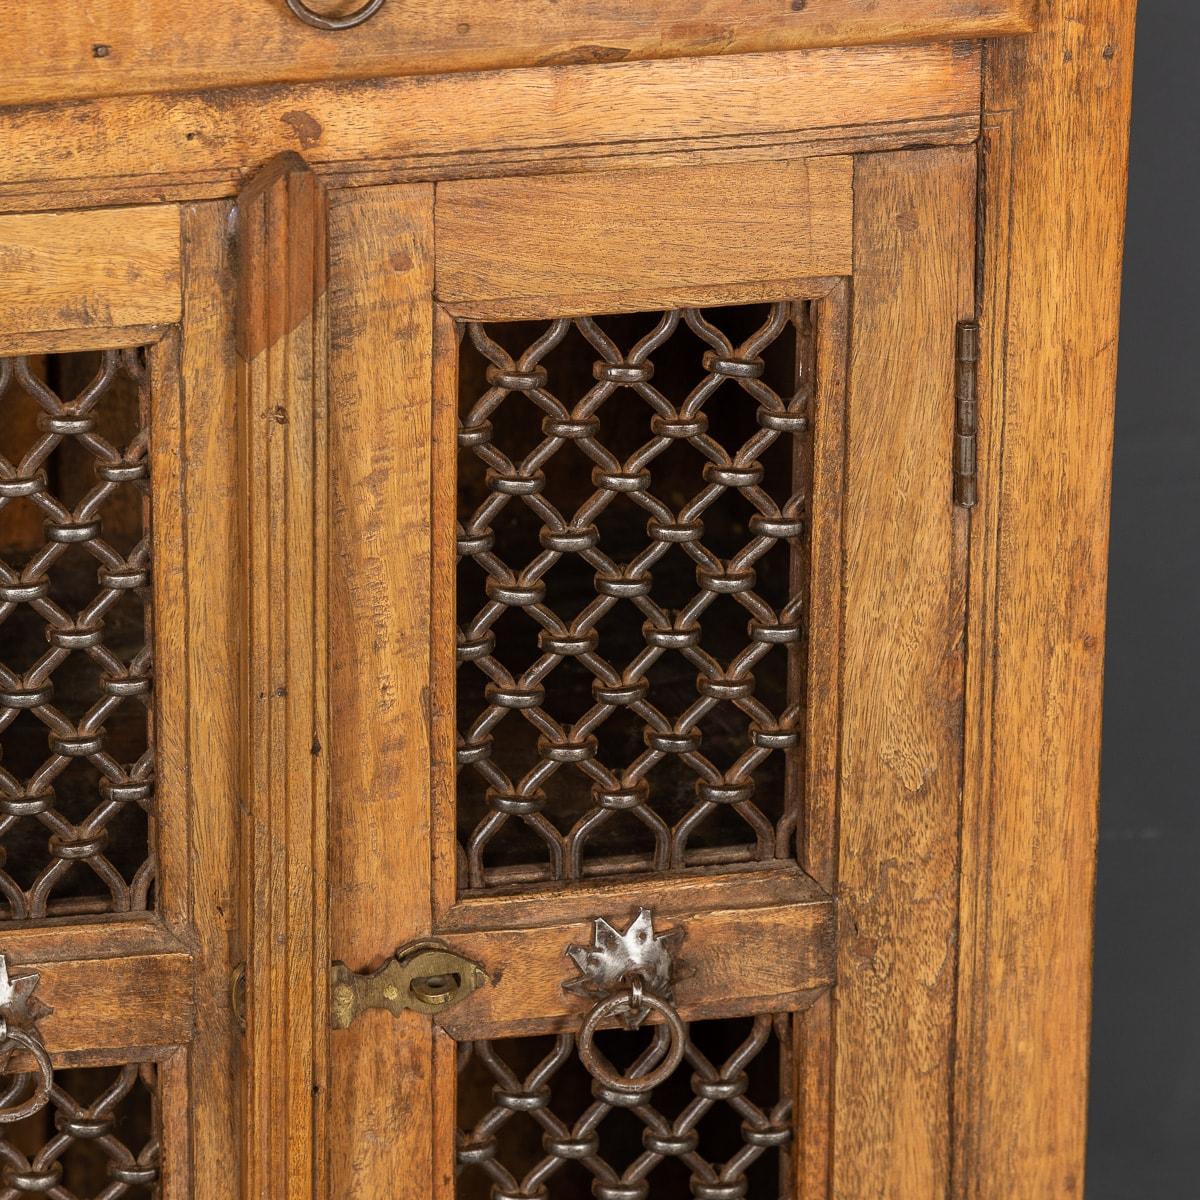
x=82 y=48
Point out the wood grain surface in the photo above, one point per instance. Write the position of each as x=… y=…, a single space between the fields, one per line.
x=281 y=342
x=1056 y=127
x=358 y=126
x=213 y=628
x=82 y=270
x=646 y=232
x=79 y=48
x=904 y=609
x=381 y=280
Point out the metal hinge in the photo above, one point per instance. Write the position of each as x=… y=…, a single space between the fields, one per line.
x=966 y=410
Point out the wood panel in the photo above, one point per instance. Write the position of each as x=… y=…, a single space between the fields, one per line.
x=1057 y=141
x=103 y=47
x=281 y=348
x=657 y=230
x=902 y=717
x=454 y=120
x=381 y=280
x=824 y=627
x=734 y=960
x=79 y=270
x=141 y=1000
x=213 y=628
x=112 y=982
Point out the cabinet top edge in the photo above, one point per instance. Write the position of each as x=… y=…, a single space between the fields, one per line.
x=79 y=51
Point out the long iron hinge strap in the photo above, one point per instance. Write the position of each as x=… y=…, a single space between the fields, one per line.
x=966 y=414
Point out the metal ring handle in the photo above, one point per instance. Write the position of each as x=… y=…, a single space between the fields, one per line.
x=306 y=14
x=41 y=1095
x=603 y=1071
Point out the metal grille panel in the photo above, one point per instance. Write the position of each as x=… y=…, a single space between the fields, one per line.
x=632 y=572
x=96 y=1139
x=534 y=1126
x=76 y=732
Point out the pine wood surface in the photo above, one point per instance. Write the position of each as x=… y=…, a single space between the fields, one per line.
x=740 y=959
x=110 y=47
x=902 y=669
x=213 y=624
x=950 y=1059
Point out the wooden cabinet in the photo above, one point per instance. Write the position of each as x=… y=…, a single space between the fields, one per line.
x=551 y=596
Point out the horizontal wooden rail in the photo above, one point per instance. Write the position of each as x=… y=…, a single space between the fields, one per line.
x=83 y=270
x=72 y=49
x=455 y=123
x=497 y=235
x=758 y=941
x=112 y=984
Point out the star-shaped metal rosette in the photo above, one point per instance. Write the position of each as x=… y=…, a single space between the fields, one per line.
x=19 y=1007
x=614 y=958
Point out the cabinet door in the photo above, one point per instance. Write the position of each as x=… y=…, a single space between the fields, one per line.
x=646 y=605
x=118 y=634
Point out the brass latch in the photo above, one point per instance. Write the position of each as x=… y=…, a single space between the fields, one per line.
x=425 y=977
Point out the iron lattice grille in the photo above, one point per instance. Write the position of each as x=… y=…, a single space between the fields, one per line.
x=76 y=738
x=632 y=571
x=533 y=1125
x=96 y=1140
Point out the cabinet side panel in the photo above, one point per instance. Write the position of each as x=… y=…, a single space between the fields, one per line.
x=904 y=609
x=381 y=280
x=1059 y=103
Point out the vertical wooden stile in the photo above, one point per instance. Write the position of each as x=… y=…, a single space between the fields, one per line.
x=901 y=742
x=282 y=410
x=208 y=374
x=1056 y=113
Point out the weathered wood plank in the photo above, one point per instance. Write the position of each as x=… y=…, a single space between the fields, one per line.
x=1056 y=121
x=213 y=625
x=451 y=119
x=739 y=959
x=905 y=559
x=660 y=230
x=381 y=281
x=282 y=381
x=108 y=47
x=80 y=270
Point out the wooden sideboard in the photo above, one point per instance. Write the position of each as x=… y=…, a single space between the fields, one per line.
x=552 y=567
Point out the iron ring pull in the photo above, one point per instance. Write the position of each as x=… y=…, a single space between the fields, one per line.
x=12 y=1038
x=670 y=1041
x=317 y=21
x=630 y=975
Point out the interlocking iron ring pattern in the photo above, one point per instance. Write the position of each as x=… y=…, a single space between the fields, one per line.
x=535 y=1136
x=102 y=1141
x=631 y=582
x=76 y=672
x=349 y=21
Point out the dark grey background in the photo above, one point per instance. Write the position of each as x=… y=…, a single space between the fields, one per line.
x=1145 y=1096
